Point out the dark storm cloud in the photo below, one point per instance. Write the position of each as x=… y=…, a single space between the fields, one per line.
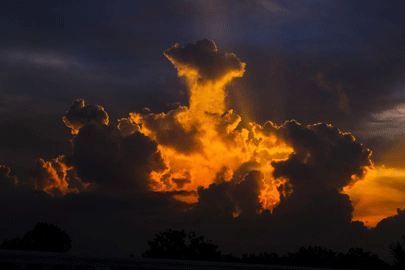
x=224 y=199
x=80 y=115
x=204 y=58
x=325 y=158
x=215 y=200
x=102 y=156
x=246 y=193
x=302 y=219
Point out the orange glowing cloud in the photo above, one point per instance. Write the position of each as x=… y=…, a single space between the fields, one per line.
x=203 y=143
x=55 y=177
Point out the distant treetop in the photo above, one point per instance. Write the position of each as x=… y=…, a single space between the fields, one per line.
x=44 y=237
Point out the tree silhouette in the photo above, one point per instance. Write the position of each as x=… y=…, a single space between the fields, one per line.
x=44 y=237
x=360 y=259
x=173 y=244
x=262 y=258
x=312 y=256
x=398 y=253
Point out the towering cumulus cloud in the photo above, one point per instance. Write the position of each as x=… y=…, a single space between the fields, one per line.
x=202 y=155
x=204 y=143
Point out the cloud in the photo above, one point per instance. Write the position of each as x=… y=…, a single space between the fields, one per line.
x=6 y=178
x=80 y=115
x=334 y=89
x=231 y=199
x=203 y=61
x=8 y=182
x=169 y=130
x=41 y=59
x=180 y=182
x=215 y=200
x=103 y=156
x=387 y=123
x=127 y=127
x=325 y=158
x=55 y=177
x=270 y=6
x=246 y=194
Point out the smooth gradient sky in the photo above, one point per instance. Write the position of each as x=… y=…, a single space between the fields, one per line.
x=317 y=61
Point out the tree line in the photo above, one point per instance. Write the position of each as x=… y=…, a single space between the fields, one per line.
x=177 y=244
x=180 y=245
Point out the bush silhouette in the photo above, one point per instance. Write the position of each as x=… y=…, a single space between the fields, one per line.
x=43 y=237
x=180 y=245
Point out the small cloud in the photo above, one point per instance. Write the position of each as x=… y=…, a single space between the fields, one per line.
x=41 y=59
x=336 y=89
x=81 y=114
x=389 y=123
x=271 y=6
x=202 y=60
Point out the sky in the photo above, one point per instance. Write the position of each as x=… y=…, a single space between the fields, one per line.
x=264 y=125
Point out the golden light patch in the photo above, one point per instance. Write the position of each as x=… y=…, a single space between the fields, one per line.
x=189 y=198
x=378 y=196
